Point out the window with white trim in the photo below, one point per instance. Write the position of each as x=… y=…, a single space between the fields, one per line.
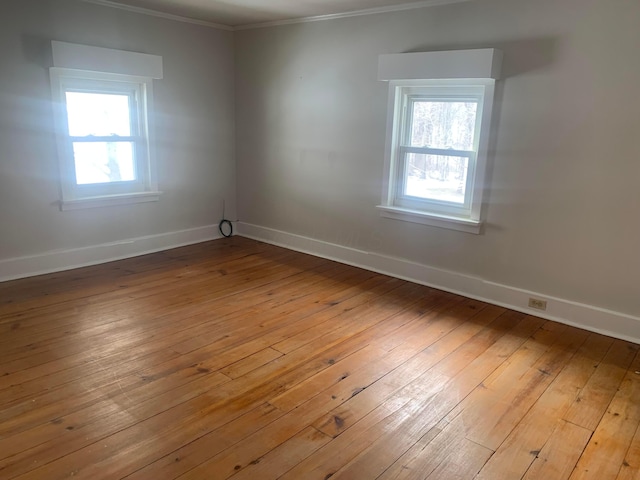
x=104 y=136
x=437 y=137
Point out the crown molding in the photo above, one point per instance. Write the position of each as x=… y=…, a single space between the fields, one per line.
x=354 y=13
x=156 y=13
x=276 y=23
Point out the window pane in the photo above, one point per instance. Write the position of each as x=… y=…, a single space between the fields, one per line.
x=443 y=124
x=103 y=162
x=99 y=114
x=436 y=177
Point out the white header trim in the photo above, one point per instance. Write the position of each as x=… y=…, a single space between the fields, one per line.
x=479 y=63
x=98 y=59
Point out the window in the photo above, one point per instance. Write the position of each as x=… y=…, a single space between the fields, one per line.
x=104 y=137
x=436 y=149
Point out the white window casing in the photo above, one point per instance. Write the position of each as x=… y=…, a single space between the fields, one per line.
x=455 y=77
x=94 y=71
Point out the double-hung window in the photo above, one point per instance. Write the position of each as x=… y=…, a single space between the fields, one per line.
x=437 y=137
x=437 y=148
x=103 y=126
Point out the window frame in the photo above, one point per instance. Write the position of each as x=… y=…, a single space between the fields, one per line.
x=403 y=118
x=144 y=187
x=433 y=212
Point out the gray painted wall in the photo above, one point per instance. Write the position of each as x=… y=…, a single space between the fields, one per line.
x=194 y=126
x=562 y=214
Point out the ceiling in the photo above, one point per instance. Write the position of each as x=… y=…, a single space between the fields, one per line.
x=236 y=13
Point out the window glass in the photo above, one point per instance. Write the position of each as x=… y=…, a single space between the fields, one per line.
x=103 y=162
x=442 y=124
x=436 y=177
x=98 y=114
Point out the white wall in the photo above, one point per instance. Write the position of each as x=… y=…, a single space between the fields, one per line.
x=194 y=136
x=562 y=215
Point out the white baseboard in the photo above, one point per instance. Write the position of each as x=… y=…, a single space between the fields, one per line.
x=59 y=260
x=588 y=317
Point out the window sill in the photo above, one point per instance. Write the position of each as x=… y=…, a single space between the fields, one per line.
x=434 y=220
x=110 y=200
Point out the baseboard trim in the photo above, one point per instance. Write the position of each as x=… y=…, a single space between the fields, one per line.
x=588 y=317
x=59 y=260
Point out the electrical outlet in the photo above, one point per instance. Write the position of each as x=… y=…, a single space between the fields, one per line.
x=537 y=303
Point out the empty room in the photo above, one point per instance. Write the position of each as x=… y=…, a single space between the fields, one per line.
x=302 y=239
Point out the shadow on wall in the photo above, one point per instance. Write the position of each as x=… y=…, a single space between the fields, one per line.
x=37 y=50
x=521 y=57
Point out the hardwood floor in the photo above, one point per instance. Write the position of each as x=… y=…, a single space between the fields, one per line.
x=239 y=359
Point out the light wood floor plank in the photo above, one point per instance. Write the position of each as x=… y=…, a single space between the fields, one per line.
x=524 y=444
x=605 y=453
x=559 y=456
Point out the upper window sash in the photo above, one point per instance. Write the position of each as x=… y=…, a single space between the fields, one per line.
x=410 y=95
x=134 y=92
